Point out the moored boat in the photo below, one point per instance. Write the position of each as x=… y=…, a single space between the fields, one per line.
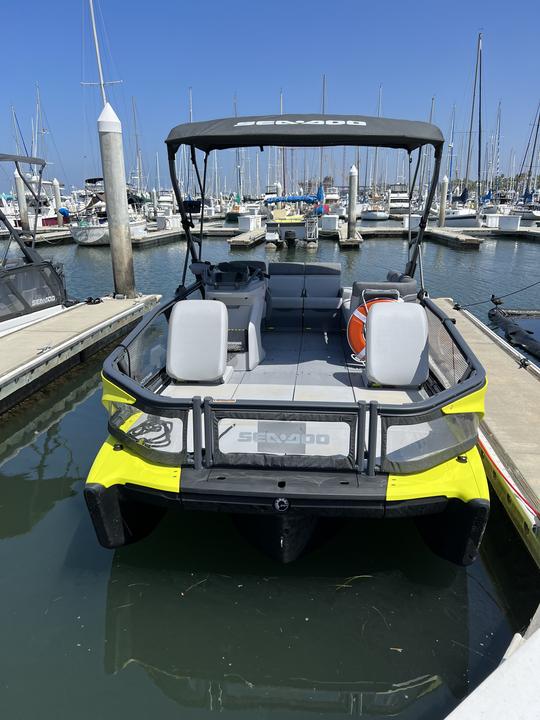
x=31 y=288
x=281 y=396
x=374 y=213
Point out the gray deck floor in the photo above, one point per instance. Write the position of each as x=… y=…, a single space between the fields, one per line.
x=309 y=367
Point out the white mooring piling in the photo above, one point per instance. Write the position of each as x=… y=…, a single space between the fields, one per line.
x=351 y=211
x=21 y=200
x=114 y=180
x=57 y=201
x=155 y=202
x=442 y=203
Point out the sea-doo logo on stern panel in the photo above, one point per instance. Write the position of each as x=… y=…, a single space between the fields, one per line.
x=322 y=121
x=277 y=437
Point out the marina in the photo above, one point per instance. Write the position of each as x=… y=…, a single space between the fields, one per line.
x=269 y=417
x=47 y=450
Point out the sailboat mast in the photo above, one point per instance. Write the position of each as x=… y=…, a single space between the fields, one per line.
x=137 y=148
x=98 y=56
x=533 y=153
x=257 y=186
x=479 y=180
x=323 y=110
x=451 y=150
x=238 y=162
x=497 y=158
x=282 y=149
x=15 y=133
x=379 y=105
x=473 y=105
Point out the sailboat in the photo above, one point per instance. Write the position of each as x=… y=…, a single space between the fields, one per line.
x=375 y=210
x=461 y=214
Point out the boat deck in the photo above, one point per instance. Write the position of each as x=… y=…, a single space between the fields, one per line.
x=306 y=367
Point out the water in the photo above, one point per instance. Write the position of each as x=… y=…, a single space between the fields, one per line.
x=193 y=620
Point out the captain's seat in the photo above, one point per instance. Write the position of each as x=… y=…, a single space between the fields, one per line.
x=397 y=349
x=197 y=342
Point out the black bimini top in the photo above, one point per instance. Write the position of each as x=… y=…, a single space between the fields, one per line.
x=304 y=131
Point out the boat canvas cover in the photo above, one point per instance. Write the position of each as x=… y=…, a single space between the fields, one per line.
x=304 y=131
x=22 y=159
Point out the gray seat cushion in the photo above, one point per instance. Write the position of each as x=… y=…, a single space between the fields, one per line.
x=322 y=301
x=286 y=268
x=286 y=286
x=404 y=287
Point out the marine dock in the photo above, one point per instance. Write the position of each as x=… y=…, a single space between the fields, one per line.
x=36 y=354
x=248 y=239
x=509 y=431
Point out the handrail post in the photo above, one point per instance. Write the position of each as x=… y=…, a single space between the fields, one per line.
x=361 y=435
x=197 y=433
x=372 y=444
x=208 y=433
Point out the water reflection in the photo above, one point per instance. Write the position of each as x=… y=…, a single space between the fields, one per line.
x=51 y=466
x=369 y=624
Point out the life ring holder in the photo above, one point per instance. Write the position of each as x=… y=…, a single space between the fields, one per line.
x=356 y=325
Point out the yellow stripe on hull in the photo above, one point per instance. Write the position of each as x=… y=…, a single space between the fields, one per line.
x=118 y=467
x=453 y=479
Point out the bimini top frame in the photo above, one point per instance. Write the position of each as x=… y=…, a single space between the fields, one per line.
x=304 y=131
x=15 y=234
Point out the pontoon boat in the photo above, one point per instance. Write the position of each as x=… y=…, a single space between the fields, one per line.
x=274 y=393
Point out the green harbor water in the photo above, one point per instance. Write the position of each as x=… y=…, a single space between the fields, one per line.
x=193 y=621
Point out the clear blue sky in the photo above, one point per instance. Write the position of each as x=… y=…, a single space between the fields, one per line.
x=159 y=49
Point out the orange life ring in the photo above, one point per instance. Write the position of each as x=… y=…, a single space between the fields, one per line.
x=356 y=327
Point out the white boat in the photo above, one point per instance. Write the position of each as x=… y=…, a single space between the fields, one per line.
x=527 y=212
x=95 y=233
x=461 y=217
x=31 y=288
x=398 y=199
x=374 y=214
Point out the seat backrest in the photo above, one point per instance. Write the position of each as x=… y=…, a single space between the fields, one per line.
x=397 y=345
x=197 y=342
x=322 y=280
x=405 y=285
x=286 y=279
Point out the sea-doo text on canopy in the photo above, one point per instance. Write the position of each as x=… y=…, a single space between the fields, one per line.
x=241 y=393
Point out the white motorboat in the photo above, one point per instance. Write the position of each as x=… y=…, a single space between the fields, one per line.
x=527 y=212
x=374 y=213
x=31 y=288
x=398 y=199
x=92 y=232
x=461 y=217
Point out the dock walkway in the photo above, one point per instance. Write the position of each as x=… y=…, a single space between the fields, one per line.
x=38 y=353
x=510 y=439
x=248 y=239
